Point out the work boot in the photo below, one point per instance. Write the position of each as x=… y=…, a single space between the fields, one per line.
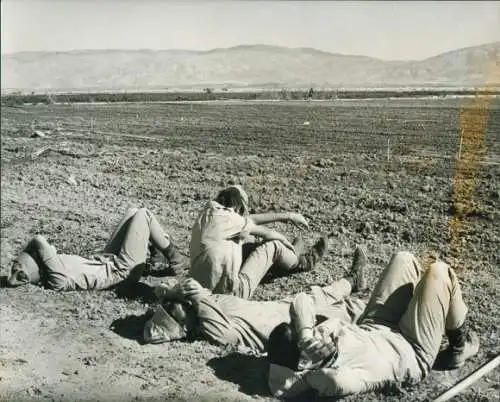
x=455 y=355
x=177 y=262
x=308 y=260
x=358 y=270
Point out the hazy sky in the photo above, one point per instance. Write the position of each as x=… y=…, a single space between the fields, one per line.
x=388 y=30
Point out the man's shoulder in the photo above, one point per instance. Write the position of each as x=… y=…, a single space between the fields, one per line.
x=214 y=206
x=214 y=209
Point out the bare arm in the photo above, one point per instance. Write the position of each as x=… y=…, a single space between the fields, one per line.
x=303 y=316
x=186 y=290
x=268 y=234
x=270 y=217
x=315 y=344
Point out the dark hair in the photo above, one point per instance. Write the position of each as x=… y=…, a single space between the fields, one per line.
x=231 y=198
x=282 y=348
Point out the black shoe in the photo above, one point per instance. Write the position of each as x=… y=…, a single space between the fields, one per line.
x=454 y=357
x=177 y=262
x=308 y=261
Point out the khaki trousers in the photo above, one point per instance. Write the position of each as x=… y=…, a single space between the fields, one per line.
x=420 y=303
x=124 y=256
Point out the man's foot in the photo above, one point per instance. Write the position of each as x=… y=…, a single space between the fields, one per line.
x=177 y=262
x=454 y=357
x=358 y=270
x=308 y=260
x=299 y=246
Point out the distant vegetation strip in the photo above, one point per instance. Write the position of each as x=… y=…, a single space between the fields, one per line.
x=209 y=94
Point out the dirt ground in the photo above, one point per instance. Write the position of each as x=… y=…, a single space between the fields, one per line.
x=378 y=173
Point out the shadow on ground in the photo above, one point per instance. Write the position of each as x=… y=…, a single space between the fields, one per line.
x=136 y=291
x=248 y=372
x=3 y=281
x=131 y=326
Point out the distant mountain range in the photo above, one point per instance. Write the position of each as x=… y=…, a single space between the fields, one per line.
x=248 y=66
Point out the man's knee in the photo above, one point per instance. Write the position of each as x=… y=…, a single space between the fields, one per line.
x=142 y=211
x=39 y=238
x=39 y=242
x=439 y=270
x=276 y=248
x=132 y=209
x=403 y=257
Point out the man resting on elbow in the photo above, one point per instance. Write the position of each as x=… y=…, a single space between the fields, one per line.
x=225 y=262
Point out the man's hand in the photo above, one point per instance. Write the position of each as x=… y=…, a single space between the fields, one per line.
x=269 y=235
x=191 y=289
x=165 y=291
x=282 y=239
x=318 y=347
x=298 y=219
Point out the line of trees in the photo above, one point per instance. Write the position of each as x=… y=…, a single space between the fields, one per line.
x=210 y=94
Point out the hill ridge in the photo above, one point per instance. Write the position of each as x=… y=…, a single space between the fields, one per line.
x=247 y=66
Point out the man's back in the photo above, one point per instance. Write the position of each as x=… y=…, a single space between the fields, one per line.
x=215 y=246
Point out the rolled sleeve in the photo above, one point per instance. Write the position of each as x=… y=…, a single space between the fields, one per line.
x=302 y=312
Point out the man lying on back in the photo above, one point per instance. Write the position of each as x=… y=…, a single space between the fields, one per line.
x=123 y=259
x=188 y=310
x=396 y=341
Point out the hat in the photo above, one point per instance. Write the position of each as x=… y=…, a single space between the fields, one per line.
x=162 y=327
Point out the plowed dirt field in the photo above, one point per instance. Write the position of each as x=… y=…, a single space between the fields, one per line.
x=376 y=172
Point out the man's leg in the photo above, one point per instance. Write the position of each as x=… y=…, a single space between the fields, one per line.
x=436 y=306
x=139 y=230
x=394 y=290
x=332 y=300
x=115 y=241
x=130 y=241
x=276 y=254
x=52 y=268
x=258 y=263
x=353 y=281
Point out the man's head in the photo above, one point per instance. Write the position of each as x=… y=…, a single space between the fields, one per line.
x=234 y=197
x=171 y=321
x=283 y=349
x=23 y=270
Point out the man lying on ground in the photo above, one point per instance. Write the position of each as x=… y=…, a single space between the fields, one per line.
x=124 y=258
x=395 y=342
x=225 y=261
x=188 y=310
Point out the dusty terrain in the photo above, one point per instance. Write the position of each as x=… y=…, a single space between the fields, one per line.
x=172 y=158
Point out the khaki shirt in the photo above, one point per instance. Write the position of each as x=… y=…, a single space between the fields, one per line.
x=216 y=247
x=78 y=273
x=230 y=320
x=370 y=356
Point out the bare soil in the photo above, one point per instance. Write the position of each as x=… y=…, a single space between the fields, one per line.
x=336 y=170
